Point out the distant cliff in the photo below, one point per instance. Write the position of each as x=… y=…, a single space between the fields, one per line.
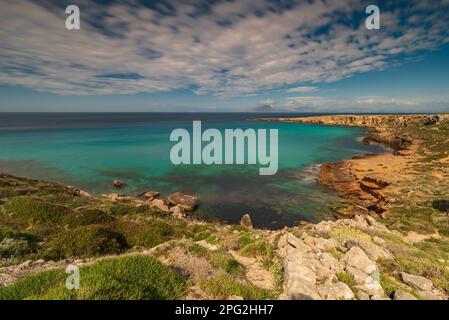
x=369 y=120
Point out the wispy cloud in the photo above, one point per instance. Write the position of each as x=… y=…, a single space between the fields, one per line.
x=223 y=48
x=302 y=89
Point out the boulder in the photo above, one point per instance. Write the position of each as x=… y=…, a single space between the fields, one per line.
x=335 y=291
x=301 y=290
x=362 y=295
x=178 y=212
x=246 y=221
x=360 y=277
x=118 y=183
x=184 y=201
x=417 y=282
x=149 y=195
x=320 y=244
x=402 y=295
x=372 y=250
x=358 y=259
x=160 y=205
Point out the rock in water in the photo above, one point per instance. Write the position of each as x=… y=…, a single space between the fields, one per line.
x=118 y=183
x=184 y=201
x=246 y=221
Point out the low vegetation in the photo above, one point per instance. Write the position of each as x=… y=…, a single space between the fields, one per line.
x=141 y=278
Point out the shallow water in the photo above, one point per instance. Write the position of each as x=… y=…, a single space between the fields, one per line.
x=90 y=150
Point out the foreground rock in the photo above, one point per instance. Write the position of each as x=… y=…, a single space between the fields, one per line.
x=184 y=201
x=417 y=282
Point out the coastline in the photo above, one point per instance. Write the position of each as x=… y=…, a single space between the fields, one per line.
x=390 y=243
x=361 y=181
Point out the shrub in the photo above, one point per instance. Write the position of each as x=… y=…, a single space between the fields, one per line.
x=126 y=209
x=12 y=248
x=128 y=278
x=346 y=233
x=35 y=211
x=346 y=278
x=223 y=286
x=86 y=241
x=88 y=217
x=257 y=248
x=15 y=244
x=441 y=205
x=139 y=235
x=33 y=285
x=226 y=263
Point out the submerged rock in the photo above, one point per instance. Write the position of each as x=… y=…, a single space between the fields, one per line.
x=184 y=201
x=118 y=184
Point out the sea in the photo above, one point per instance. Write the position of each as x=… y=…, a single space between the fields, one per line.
x=90 y=150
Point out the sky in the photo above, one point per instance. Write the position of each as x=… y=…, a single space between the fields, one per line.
x=224 y=56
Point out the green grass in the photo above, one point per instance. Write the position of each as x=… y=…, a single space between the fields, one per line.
x=35 y=211
x=226 y=262
x=16 y=244
x=88 y=217
x=346 y=278
x=223 y=286
x=128 y=278
x=86 y=241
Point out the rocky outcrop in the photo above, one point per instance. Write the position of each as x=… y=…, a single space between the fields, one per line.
x=338 y=260
x=149 y=195
x=368 y=120
x=184 y=201
x=386 y=138
x=363 y=195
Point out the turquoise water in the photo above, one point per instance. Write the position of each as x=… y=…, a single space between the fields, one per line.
x=91 y=150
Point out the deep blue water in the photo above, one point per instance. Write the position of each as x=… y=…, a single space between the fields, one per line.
x=89 y=150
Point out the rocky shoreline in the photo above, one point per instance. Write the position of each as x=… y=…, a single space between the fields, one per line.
x=384 y=246
x=364 y=193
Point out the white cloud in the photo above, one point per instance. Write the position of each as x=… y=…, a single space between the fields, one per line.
x=186 y=50
x=302 y=89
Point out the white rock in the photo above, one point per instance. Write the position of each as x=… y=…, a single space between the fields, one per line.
x=357 y=258
x=417 y=282
x=335 y=291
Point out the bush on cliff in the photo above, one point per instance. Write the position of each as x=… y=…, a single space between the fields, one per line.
x=127 y=278
x=86 y=241
x=15 y=244
x=88 y=217
x=35 y=211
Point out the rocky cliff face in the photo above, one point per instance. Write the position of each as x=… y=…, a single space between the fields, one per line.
x=370 y=120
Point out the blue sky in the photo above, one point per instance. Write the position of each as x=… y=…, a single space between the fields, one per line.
x=295 y=56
